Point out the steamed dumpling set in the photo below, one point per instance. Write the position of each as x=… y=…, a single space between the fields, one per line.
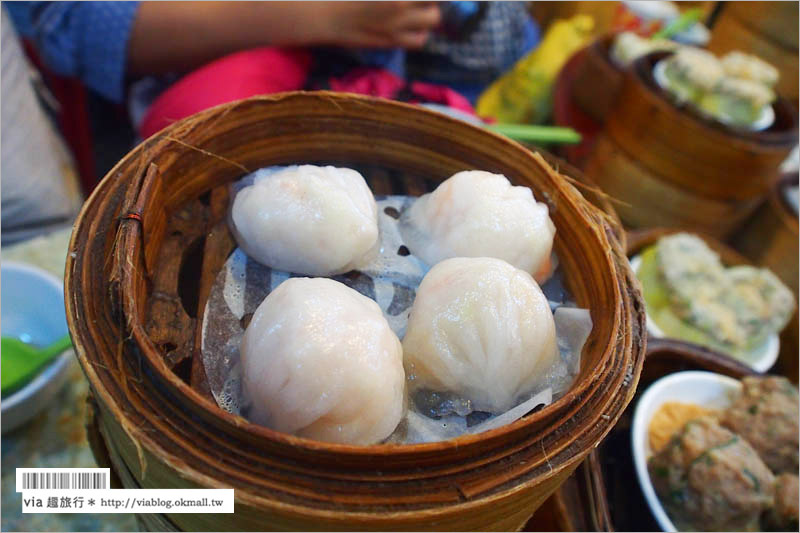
x=320 y=360
x=735 y=90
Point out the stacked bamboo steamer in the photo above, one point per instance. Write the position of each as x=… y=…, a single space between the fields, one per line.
x=766 y=29
x=597 y=79
x=672 y=168
x=151 y=239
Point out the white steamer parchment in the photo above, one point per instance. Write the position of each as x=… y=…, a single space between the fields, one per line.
x=390 y=278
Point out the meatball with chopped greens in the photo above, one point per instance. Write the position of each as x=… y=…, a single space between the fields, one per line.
x=766 y=416
x=710 y=479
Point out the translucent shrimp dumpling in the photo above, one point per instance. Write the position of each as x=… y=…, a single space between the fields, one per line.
x=306 y=219
x=482 y=330
x=480 y=214
x=320 y=361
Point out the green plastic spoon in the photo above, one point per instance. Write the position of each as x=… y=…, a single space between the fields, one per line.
x=21 y=361
x=535 y=133
x=685 y=21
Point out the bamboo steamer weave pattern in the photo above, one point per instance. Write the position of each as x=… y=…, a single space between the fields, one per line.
x=150 y=240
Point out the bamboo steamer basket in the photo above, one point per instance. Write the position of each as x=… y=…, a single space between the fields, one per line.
x=770 y=239
x=597 y=79
x=150 y=241
x=766 y=29
x=674 y=168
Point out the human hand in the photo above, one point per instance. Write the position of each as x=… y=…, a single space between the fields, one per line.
x=378 y=24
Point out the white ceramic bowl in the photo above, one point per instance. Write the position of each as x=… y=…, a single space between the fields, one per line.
x=706 y=389
x=761 y=359
x=32 y=308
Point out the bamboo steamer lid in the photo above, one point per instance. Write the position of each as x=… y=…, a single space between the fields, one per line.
x=156 y=223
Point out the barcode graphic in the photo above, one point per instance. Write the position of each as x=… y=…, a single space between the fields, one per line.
x=62 y=479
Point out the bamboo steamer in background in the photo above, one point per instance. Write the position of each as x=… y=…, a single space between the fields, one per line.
x=674 y=168
x=150 y=241
x=766 y=29
x=603 y=13
x=597 y=79
x=770 y=239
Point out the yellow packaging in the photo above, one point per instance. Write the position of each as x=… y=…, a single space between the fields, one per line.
x=523 y=95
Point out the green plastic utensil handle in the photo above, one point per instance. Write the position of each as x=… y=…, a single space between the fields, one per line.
x=687 y=19
x=22 y=361
x=528 y=132
x=57 y=347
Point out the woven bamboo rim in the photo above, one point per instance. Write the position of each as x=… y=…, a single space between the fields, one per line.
x=590 y=192
x=171 y=434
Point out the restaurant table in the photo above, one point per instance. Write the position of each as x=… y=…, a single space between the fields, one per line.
x=56 y=438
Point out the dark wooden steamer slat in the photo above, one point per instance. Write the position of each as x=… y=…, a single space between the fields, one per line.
x=217 y=247
x=170 y=435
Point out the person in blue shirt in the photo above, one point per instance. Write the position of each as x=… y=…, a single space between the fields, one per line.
x=108 y=44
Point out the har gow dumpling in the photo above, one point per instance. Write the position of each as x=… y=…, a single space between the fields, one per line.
x=306 y=219
x=482 y=330
x=319 y=360
x=480 y=214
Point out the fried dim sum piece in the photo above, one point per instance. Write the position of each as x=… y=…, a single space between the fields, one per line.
x=749 y=67
x=690 y=72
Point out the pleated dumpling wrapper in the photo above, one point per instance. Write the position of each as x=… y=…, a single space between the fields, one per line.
x=317 y=221
x=320 y=361
x=480 y=214
x=481 y=330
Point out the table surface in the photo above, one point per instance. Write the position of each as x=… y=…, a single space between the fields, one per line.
x=56 y=438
